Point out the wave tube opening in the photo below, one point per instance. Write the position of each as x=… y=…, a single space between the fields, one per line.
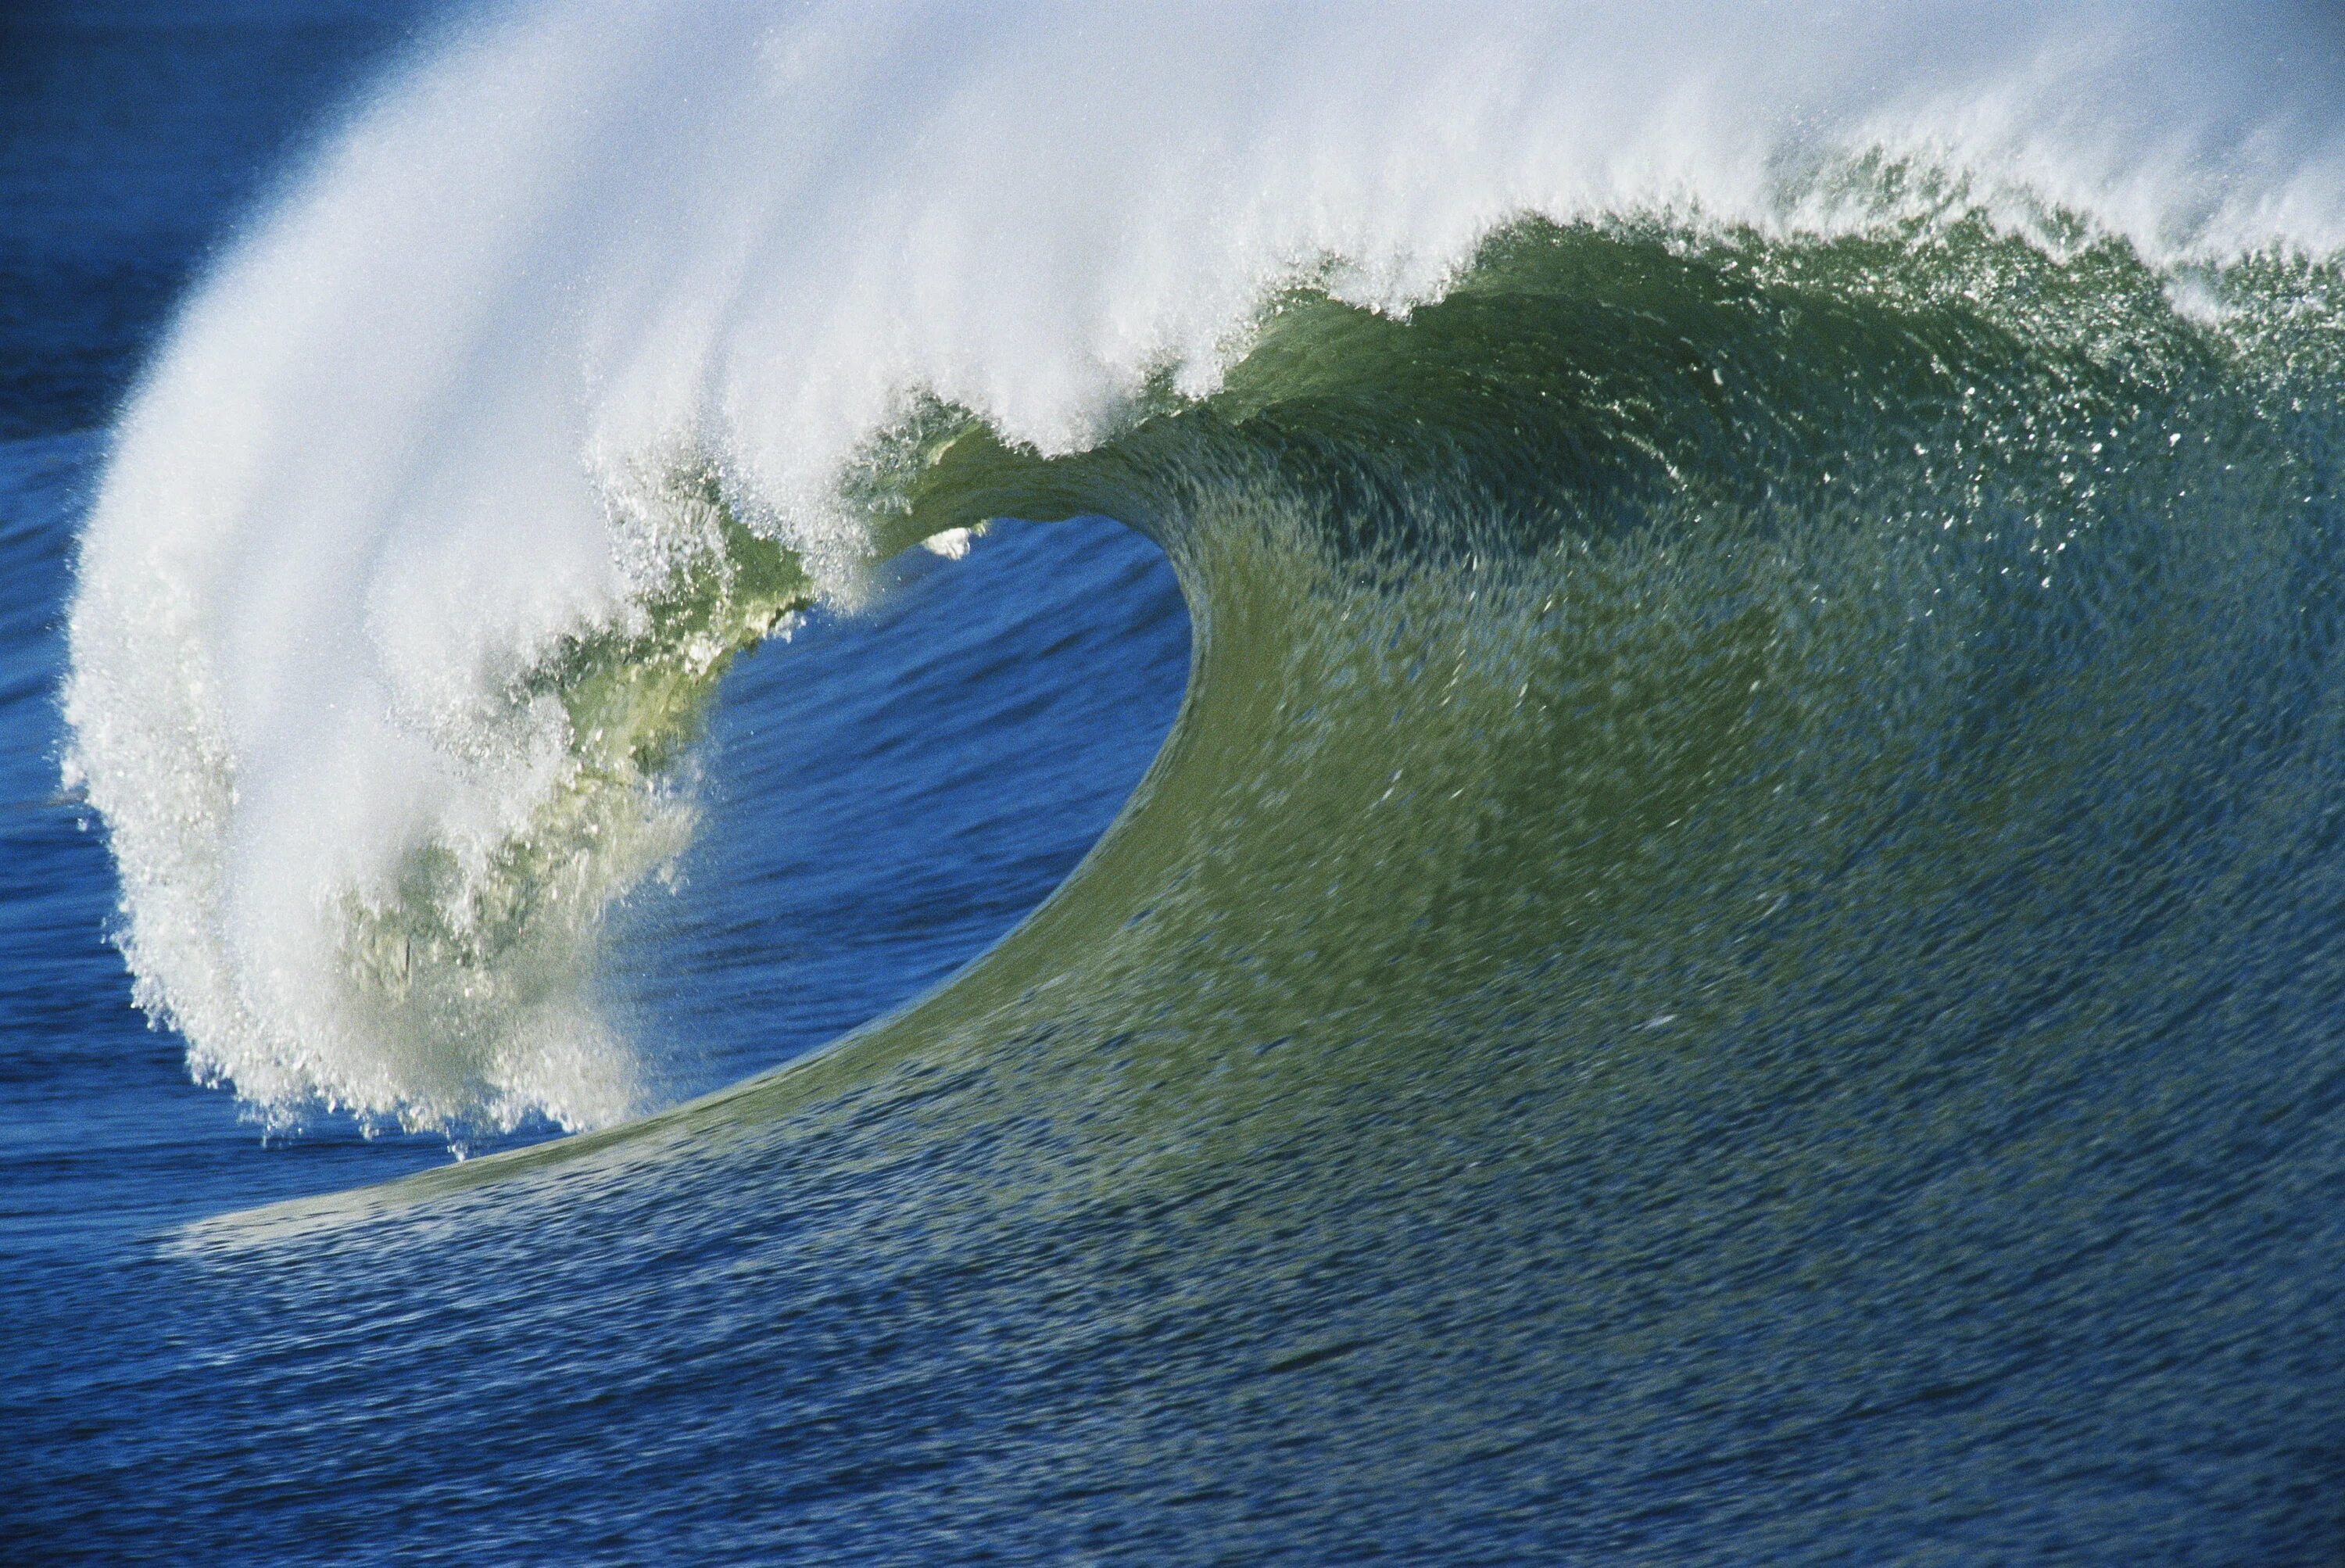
x=886 y=791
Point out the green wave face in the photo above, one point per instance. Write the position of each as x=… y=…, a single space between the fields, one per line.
x=1743 y=805
x=1676 y=677
x=1700 y=653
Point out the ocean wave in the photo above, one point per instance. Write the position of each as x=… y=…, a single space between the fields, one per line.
x=1655 y=382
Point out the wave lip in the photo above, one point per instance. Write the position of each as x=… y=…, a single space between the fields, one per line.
x=608 y=336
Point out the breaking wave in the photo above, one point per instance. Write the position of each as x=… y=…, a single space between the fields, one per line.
x=1664 y=499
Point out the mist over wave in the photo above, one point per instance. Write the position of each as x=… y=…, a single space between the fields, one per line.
x=605 y=337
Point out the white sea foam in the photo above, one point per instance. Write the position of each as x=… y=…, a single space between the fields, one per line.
x=394 y=451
